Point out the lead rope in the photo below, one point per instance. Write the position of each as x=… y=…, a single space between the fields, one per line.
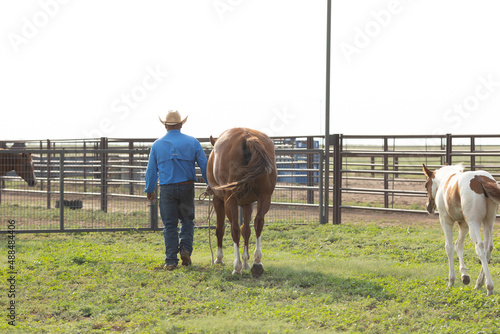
x=210 y=213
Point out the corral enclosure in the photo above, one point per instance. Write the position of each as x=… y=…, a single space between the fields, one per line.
x=98 y=184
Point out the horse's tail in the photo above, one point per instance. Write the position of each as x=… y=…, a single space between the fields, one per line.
x=491 y=190
x=259 y=163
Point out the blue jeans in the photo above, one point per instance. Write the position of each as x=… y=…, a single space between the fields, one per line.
x=177 y=203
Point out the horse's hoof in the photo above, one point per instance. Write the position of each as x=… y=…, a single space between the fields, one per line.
x=465 y=279
x=218 y=262
x=489 y=289
x=236 y=272
x=257 y=270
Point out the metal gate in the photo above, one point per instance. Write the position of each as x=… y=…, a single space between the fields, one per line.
x=384 y=173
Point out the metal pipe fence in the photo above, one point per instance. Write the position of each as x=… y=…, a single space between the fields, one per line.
x=384 y=173
x=99 y=186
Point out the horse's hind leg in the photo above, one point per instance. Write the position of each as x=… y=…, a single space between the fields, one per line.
x=482 y=251
x=488 y=244
x=220 y=229
x=459 y=249
x=263 y=205
x=245 y=231
x=231 y=208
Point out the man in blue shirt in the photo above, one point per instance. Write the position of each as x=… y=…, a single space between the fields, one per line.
x=172 y=159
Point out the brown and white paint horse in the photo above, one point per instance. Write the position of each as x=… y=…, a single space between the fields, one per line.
x=241 y=170
x=471 y=199
x=21 y=163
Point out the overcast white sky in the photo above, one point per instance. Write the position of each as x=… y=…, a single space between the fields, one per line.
x=75 y=69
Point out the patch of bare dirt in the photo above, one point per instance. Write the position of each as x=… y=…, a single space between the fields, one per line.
x=355 y=216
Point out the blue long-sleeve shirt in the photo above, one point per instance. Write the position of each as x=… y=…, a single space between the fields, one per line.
x=172 y=159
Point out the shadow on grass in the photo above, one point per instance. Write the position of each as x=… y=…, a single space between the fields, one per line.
x=305 y=280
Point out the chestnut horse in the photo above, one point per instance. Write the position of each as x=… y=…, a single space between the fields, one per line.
x=471 y=199
x=21 y=163
x=241 y=170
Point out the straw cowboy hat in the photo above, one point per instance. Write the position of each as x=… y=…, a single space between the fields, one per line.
x=173 y=118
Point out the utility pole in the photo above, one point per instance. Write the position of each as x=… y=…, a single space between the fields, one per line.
x=327 y=113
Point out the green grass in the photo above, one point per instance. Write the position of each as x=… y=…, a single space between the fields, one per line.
x=359 y=277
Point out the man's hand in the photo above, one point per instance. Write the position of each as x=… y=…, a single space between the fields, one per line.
x=151 y=196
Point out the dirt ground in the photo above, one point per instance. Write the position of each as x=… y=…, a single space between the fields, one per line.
x=372 y=198
x=354 y=216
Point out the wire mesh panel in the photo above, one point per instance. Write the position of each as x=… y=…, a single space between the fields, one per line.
x=27 y=207
x=20 y=202
x=79 y=189
x=123 y=201
x=80 y=201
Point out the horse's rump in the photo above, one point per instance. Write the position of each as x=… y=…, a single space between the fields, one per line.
x=482 y=184
x=259 y=162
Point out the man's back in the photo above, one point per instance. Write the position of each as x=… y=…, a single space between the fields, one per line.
x=174 y=156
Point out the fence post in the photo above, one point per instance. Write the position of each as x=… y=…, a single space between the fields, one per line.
x=104 y=175
x=130 y=169
x=322 y=218
x=472 y=150
x=310 y=174
x=61 y=192
x=395 y=163
x=449 y=148
x=386 y=169
x=49 y=156
x=337 y=175
x=153 y=212
x=442 y=147
x=41 y=160
x=326 y=198
x=84 y=167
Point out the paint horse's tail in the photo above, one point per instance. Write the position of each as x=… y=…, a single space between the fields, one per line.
x=259 y=163
x=489 y=187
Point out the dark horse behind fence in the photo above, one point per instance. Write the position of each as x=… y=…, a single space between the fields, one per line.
x=21 y=163
x=242 y=170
